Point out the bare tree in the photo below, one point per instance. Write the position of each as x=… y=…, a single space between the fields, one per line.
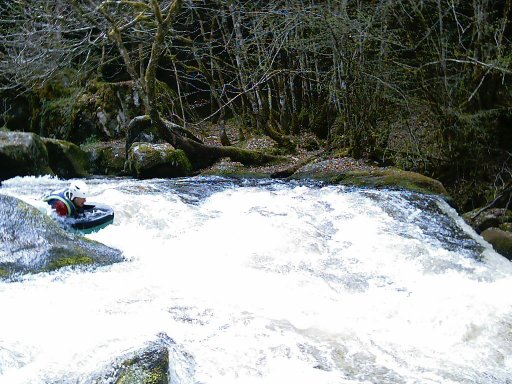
x=425 y=84
x=138 y=29
x=41 y=37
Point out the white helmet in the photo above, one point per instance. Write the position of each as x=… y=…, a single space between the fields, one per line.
x=78 y=188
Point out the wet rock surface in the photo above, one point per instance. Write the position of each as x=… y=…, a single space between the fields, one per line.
x=32 y=242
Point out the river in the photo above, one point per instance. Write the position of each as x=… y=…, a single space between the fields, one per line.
x=260 y=281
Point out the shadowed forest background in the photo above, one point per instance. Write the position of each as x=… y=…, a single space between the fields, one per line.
x=423 y=85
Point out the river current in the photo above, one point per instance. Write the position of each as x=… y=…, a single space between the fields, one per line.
x=260 y=281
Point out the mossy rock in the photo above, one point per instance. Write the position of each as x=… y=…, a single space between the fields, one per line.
x=99 y=109
x=369 y=176
x=227 y=168
x=146 y=160
x=32 y=242
x=66 y=159
x=106 y=158
x=393 y=178
x=61 y=258
x=147 y=366
x=57 y=117
x=22 y=154
x=103 y=110
x=150 y=367
x=500 y=240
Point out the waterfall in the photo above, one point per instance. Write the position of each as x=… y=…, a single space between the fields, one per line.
x=261 y=281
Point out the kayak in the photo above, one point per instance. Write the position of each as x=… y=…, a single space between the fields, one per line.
x=95 y=217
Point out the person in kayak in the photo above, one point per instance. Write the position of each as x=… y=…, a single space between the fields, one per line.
x=69 y=201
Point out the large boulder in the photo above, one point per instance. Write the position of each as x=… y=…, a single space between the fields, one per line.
x=500 y=240
x=102 y=110
x=106 y=158
x=22 y=154
x=32 y=242
x=147 y=160
x=348 y=171
x=66 y=159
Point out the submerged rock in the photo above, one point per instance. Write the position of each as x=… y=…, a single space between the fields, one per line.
x=31 y=242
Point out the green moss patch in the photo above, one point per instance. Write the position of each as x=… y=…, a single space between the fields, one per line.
x=149 y=366
x=4 y=273
x=68 y=261
x=158 y=160
x=66 y=159
x=391 y=178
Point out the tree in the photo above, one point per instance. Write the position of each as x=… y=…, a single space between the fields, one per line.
x=78 y=30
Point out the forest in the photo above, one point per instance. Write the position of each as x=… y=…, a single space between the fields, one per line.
x=424 y=85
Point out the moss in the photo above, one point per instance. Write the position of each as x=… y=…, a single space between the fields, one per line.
x=67 y=159
x=150 y=367
x=158 y=376
x=105 y=158
x=249 y=157
x=67 y=261
x=242 y=173
x=54 y=110
x=391 y=178
x=158 y=160
x=57 y=117
x=166 y=98
x=4 y=273
x=98 y=94
x=179 y=159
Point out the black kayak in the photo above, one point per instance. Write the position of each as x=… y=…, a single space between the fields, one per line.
x=95 y=217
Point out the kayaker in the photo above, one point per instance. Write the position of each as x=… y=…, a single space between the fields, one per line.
x=69 y=201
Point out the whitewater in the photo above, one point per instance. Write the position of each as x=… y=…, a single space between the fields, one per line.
x=264 y=281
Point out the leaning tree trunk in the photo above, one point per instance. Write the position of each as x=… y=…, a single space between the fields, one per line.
x=199 y=154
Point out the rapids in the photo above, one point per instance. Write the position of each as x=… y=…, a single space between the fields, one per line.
x=260 y=281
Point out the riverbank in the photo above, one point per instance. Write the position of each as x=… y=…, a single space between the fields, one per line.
x=311 y=161
x=28 y=154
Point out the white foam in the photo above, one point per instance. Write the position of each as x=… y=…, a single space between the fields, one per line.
x=290 y=284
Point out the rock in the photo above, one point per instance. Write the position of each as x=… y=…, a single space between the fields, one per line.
x=66 y=159
x=106 y=158
x=149 y=365
x=500 y=240
x=352 y=172
x=15 y=110
x=22 y=154
x=494 y=217
x=146 y=160
x=103 y=110
x=32 y=242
